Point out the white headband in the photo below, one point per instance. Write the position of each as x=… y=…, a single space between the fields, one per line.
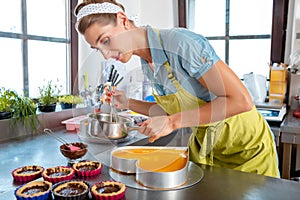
x=97 y=8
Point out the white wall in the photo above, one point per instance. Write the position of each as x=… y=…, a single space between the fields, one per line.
x=293 y=44
x=293 y=27
x=156 y=13
x=159 y=13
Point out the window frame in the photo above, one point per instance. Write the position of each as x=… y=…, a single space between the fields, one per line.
x=73 y=49
x=279 y=25
x=72 y=41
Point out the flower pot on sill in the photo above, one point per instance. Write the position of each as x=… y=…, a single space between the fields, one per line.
x=47 y=108
x=66 y=105
x=6 y=115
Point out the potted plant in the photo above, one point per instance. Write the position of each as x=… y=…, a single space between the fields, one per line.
x=22 y=109
x=48 y=97
x=67 y=101
x=7 y=99
x=25 y=112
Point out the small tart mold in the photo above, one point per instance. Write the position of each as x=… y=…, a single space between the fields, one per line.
x=27 y=173
x=35 y=190
x=87 y=168
x=58 y=174
x=108 y=190
x=71 y=190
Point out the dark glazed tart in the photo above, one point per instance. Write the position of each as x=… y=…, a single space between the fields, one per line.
x=87 y=168
x=58 y=174
x=27 y=173
x=37 y=190
x=72 y=189
x=108 y=190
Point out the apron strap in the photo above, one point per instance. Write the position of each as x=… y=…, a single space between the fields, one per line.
x=211 y=136
x=171 y=75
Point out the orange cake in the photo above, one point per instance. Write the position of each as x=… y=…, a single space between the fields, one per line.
x=154 y=167
x=155 y=159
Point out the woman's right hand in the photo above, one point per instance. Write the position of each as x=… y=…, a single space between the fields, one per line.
x=156 y=127
x=120 y=99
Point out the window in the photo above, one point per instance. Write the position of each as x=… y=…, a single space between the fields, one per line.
x=35 y=44
x=239 y=31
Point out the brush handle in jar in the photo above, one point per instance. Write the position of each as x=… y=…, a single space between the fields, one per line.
x=50 y=132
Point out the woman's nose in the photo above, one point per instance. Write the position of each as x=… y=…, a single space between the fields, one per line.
x=106 y=53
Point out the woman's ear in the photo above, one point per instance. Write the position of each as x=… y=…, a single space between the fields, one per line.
x=122 y=20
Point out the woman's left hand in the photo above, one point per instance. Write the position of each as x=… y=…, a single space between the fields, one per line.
x=156 y=127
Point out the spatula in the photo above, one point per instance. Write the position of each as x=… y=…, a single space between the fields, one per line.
x=70 y=146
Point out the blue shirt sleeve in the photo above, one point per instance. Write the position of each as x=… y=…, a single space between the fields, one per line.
x=196 y=54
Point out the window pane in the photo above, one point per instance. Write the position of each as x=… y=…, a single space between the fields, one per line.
x=208 y=19
x=47 y=18
x=250 y=17
x=11 y=75
x=10 y=16
x=219 y=47
x=247 y=56
x=46 y=61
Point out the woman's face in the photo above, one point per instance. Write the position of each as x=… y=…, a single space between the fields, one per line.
x=113 y=41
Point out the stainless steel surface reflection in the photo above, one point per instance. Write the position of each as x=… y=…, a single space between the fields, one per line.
x=195 y=175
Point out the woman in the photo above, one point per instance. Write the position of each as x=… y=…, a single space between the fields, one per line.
x=192 y=88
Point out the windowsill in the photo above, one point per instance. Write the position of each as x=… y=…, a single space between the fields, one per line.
x=50 y=120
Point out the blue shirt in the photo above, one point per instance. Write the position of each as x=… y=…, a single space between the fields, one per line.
x=189 y=54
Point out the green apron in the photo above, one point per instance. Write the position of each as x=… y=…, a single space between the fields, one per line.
x=243 y=142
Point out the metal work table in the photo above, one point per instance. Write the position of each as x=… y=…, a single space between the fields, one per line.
x=290 y=135
x=217 y=183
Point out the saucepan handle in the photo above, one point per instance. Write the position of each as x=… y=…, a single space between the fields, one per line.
x=132 y=128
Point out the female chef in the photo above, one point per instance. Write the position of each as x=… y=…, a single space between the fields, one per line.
x=192 y=88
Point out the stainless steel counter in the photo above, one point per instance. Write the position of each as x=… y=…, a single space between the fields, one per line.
x=290 y=124
x=218 y=183
x=290 y=135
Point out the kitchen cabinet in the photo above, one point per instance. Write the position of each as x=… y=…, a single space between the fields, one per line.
x=290 y=135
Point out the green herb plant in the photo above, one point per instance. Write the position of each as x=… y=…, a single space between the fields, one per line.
x=23 y=108
x=25 y=112
x=49 y=93
x=70 y=99
x=7 y=100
